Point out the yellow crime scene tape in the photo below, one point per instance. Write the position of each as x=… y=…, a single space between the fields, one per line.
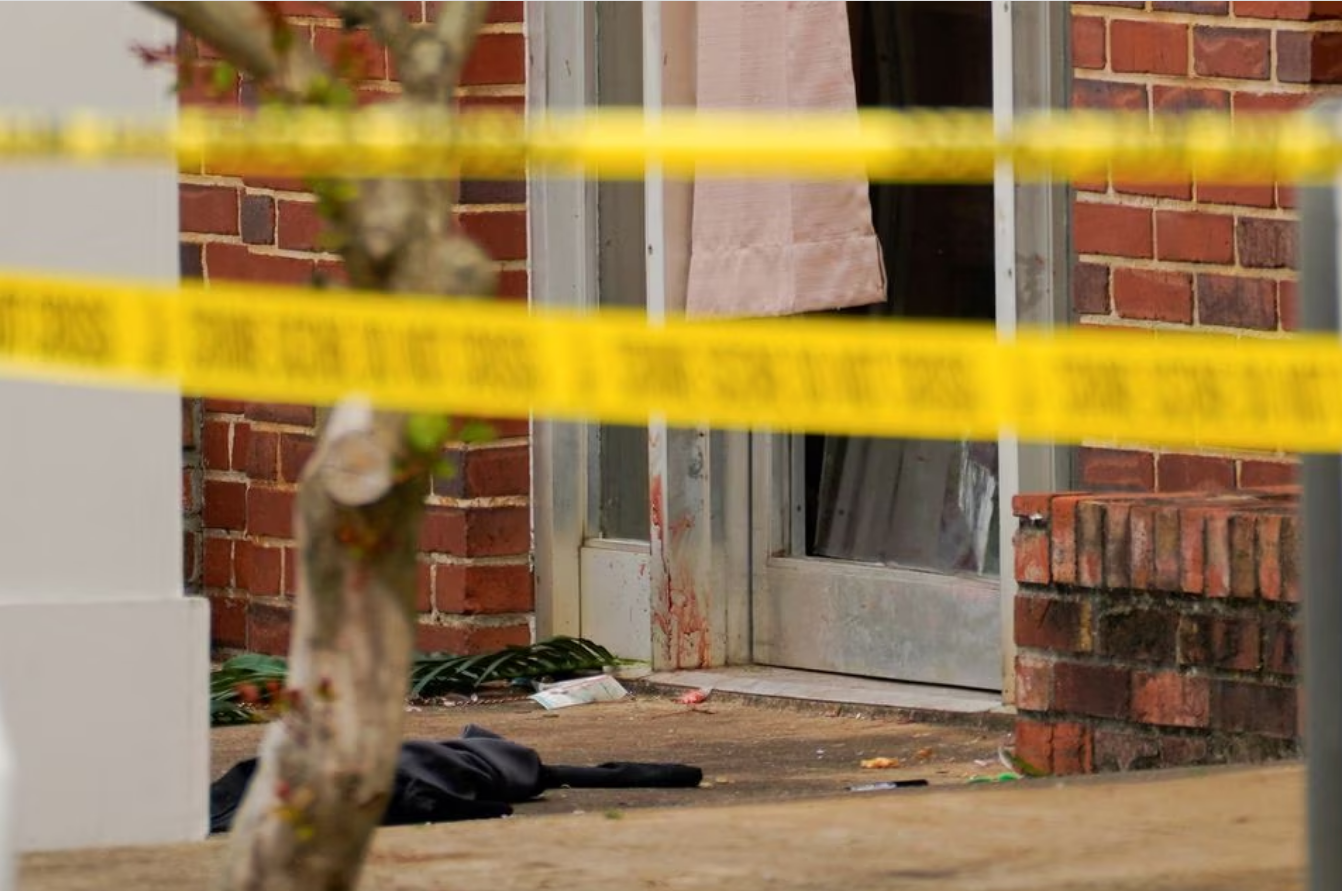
x=917 y=145
x=856 y=377
x=876 y=378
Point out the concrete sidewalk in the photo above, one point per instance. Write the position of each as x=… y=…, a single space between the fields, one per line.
x=1210 y=830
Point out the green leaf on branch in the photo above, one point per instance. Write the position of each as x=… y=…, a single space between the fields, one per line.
x=476 y=431
x=223 y=78
x=332 y=195
x=331 y=93
x=427 y=433
x=331 y=241
x=445 y=469
x=341 y=95
x=281 y=37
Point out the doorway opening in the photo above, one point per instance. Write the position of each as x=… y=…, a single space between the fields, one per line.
x=879 y=557
x=921 y=504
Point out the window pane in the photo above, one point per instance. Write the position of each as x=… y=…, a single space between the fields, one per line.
x=620 y=486
x=928 y=504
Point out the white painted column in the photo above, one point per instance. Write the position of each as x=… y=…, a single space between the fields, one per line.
x=103 y=660
x=6 y=809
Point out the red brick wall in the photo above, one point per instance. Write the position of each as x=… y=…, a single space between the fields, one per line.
x=1193 y=255
x=242 y=459
x=1156 y=630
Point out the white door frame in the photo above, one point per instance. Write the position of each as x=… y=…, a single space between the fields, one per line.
x=706 y=578
x=698 y=478
x=563 y=271
x=679 y=600
x=1032 y=41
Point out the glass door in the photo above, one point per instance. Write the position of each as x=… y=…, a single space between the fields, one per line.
x=881 y=557
x=874 y=557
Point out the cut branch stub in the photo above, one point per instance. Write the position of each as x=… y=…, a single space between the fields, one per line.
x=357 y=461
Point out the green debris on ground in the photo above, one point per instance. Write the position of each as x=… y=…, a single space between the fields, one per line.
x=250 y=687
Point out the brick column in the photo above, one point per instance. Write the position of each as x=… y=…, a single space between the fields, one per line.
x=1193 y=255
x=1156 y=630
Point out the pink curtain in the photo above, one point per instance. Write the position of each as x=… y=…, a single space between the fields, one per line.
x=777 y=247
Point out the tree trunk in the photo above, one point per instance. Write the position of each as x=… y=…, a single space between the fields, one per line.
x=328 y=762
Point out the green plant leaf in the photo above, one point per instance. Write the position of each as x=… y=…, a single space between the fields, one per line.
x=223 y=77
x=476 y=431
x=426 y=433
x=430 y=670
x=341 y=95
x=223 y=714
x=330 y=240
x=258 y=662
x=466 y=667
x=437 y=674
x=498 y=666
x=249 y=668
x=281 y=38
x=431 y=674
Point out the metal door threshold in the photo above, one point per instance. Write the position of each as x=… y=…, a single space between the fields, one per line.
x=841 y=694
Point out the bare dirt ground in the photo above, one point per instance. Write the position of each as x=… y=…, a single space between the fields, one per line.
x=748 y=753
x=775 y=812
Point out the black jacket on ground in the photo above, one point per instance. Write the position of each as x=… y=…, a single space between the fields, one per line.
x=479 y=776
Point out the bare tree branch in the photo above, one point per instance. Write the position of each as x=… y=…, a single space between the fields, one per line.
x=243 y=34
x=430 y=61
x=402 y=234
x=458 y=23
x=386 y=20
